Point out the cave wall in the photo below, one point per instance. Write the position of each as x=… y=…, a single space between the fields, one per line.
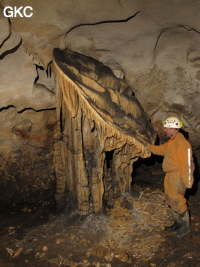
x=27 y=105
x=153 y=46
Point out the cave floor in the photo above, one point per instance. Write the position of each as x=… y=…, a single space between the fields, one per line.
x=130 y=234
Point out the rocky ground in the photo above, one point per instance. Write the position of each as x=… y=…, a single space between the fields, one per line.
x=130 y=234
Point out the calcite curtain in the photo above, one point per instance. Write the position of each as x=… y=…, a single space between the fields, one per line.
x=100 y=132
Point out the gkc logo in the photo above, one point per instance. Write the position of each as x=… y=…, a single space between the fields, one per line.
x=11 y=12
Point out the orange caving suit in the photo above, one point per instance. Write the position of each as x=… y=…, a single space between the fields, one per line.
x=179 y=167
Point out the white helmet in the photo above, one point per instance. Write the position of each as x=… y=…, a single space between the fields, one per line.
x=172 y=122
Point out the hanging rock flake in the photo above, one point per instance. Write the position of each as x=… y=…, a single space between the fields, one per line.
x=100 y=133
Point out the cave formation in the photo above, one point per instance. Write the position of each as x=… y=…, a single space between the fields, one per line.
x=100 y=132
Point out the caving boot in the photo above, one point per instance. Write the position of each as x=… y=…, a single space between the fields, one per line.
x=184 y=225
x=175 y=226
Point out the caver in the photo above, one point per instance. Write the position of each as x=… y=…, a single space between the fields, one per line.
x=179 y=167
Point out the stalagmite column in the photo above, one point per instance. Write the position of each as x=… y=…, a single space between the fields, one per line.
x=99 y=135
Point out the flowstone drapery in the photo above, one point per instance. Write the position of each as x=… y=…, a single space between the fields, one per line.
x=99 y=133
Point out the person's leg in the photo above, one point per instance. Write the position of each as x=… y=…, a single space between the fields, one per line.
x=174 y=192
x=174 y=197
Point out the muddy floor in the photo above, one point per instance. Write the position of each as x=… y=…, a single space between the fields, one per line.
x=129 y=234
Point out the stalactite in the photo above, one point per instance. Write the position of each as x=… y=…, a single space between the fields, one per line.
x=101 y=133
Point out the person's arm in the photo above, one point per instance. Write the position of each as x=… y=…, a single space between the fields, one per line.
x=158 y=150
